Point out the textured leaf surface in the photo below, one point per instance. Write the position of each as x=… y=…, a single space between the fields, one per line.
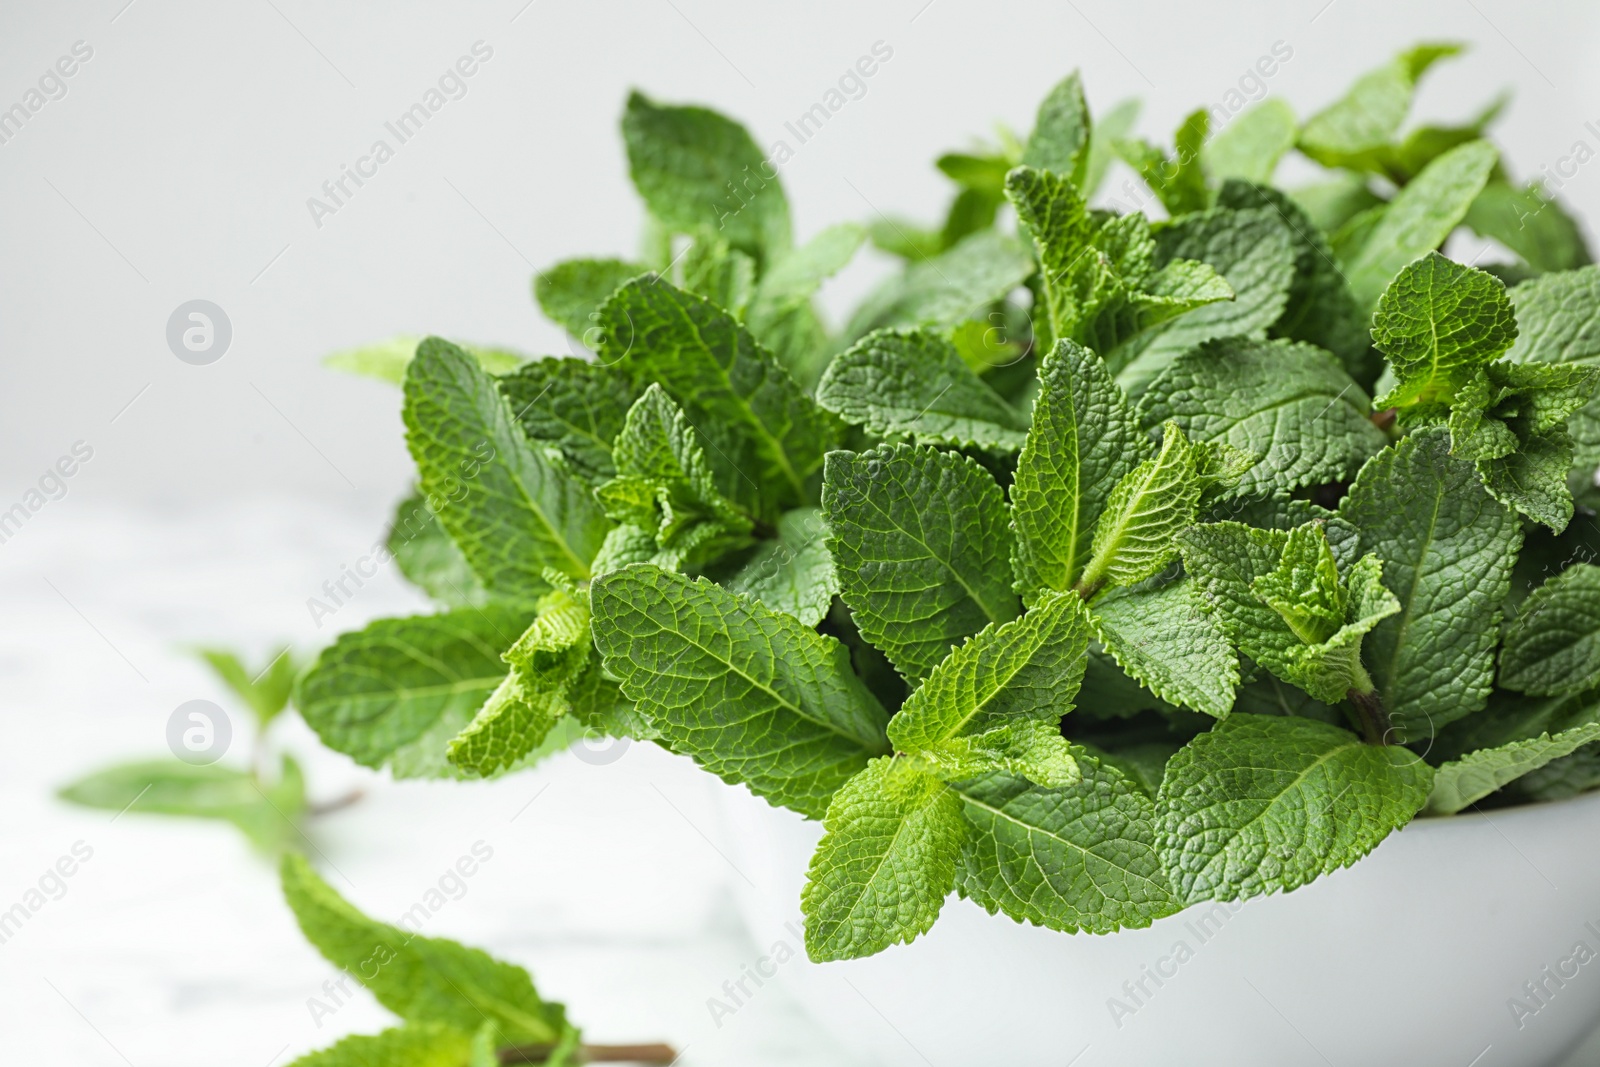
x=428 y=558
x=885 y=864
x=1084 y=439
x=1148 y=508
x=1290 y=405
x=1553 y=647
x=793 y=572
x=1420 y=217
x=1558 y=319
x=420 y=979
x=682 y=160
x=1028 y=668
x=1261 y=804
x=914 y=383
x=1463 y=782
x=754 y=696
x=573 y=405
x=1438 y=322
x=1447 y=549
x=514 y=508
x=1165 y=639
x=765 y=436
x=920 y=541
x=1061 y=130
x=1079 y=858
x=570 y=293
x=393 y=694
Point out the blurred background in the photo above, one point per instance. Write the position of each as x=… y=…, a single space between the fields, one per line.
x=177 y=163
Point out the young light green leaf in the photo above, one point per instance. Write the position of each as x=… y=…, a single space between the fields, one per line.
x=513 y=508
x=572 y=405
x=1250 y=145
x=1447 y=548
x=920 y=541
x=414 y=1045
x=1288 y=404
x=1061 y=132
x=1081 y=858
x=387 y=360
x=765 y=436
x=1135 y=535
x=1028 y=668
x=268 y=813
x=793 y=572
x=1261 y=804
x=1420 y=217
x=1083 y=440
x=664 y=485
x=421 y=979
x=1553 y=647
x=394 y=693
x=782 y=315
x=570 y=293
x=1357 y=130
x=952 y=287
x=1558 y=319
x=752 y=695
x=1179 y=182
x=914 y=383
x=1438 y=322
x=887 y=861
x=427 y=557
x=1164 y=638
x=265 y=691
x=700 y=172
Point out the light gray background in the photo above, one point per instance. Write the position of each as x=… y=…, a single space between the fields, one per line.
x=178 y=167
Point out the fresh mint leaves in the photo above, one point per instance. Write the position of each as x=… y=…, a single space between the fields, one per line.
x=1078 y=571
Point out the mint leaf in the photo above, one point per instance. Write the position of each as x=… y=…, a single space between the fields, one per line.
x=1420 y=217
x=428 y=558
x=1061 y=132
x=664 y=485
x=1553 y=647
x=1109 y=130
x=914 y=383
x=265 y=691
x=1321 y=309
x=1467 y=779
x=422 y=979
x=1558 y=317
x=1083 y=440
x=1357 y=130
x=416 y=1045
x=387 y=360
x=682 y=160
x=1531 y=223
x=1148 y=508
x=1078 y=858
x=752 y=695
x=1447 y=549
x=394 y=693
x=1289 y=405
x=268 y=813
x=765 y=437
x=1249 y=147
x=1265 y=804
x=949 y=288
x=793 y=572
x=1028 y=668
x=720 y=273
x=782 y=315
x=887 y=861
x=574 y=406
x=1438 y=322
x=920 y=542
x=570 y=293
x=1164 y=638
x=513 y=508
x=545 y=663
x=1252 y=250
x=1178 y=182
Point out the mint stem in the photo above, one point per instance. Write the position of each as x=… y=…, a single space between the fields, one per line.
x=1371 y=714
x=655 y=1053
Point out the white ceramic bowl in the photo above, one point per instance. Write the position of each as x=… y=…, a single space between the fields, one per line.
x=1418 y=955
